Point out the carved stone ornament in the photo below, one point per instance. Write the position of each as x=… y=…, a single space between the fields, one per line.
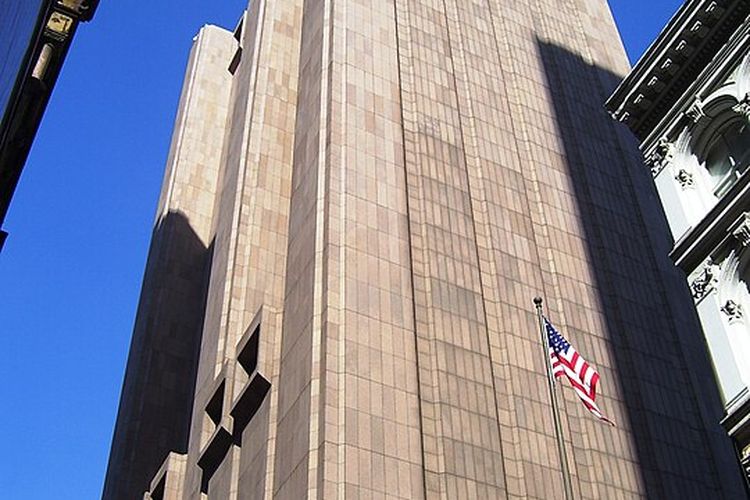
x=685 y=179
x=742 y=230
x=705 y=282
x=733 y=310
x=743 y=107
x=695 y=113
x=661 y=156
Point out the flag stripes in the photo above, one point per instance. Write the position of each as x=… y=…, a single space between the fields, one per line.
x=582 y=376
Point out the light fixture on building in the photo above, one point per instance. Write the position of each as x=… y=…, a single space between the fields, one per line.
x=42 y=62
x=59 y=25
x=77 y=6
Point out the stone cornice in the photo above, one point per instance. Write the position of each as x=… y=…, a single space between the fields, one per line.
x=684 y=48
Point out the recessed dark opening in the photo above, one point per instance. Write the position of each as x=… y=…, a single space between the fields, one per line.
x=215 y=407
x=248 y=357
x=158 y=492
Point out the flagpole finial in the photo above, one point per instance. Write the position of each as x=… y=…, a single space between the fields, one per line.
x=538 y=301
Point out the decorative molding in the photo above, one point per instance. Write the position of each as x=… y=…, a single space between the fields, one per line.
x=733 y=310
x=743 y=88
x=696 y=113
x=661 y=156
x=706 y=280
x=685 y=179
x=694 y=40
x=741 y=229
x=742 y=108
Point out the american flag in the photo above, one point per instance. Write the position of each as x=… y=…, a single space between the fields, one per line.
x=582 y=376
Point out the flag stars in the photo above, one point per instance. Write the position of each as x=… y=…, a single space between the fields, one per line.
x=557 y=341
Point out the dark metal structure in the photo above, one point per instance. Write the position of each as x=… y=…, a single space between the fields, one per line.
x=34 y=39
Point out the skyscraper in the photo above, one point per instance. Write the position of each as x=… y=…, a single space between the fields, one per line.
x=361 y=199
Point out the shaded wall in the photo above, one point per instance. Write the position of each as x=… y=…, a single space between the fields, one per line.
x=157 y=395
x=659 y=358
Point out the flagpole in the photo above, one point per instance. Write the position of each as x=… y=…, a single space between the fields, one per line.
x=555 y=410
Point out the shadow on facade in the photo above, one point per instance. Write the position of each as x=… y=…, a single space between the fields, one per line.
x=157 y=396
x=662 y=368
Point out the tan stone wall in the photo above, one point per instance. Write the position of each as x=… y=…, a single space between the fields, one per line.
x=398 y=180
x=250 y=232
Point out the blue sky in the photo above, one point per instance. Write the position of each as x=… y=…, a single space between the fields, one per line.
x=80 y=224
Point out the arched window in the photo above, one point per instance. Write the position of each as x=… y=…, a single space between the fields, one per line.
x=728 y=156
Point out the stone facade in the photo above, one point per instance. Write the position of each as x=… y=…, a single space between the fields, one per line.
x=693 y=128
x=393 y=182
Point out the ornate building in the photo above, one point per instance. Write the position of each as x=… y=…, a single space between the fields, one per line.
x=688 y=102
x=361 y=200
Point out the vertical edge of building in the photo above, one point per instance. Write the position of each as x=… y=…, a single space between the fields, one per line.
x=158 y=391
